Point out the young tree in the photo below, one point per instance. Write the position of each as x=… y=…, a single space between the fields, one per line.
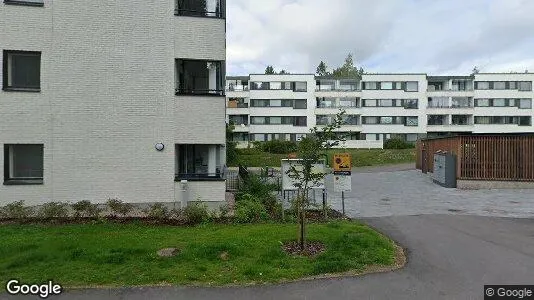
x=269 y=70
x=322 y=69
x=283 y=72
x=310 y=150
x=348 y=70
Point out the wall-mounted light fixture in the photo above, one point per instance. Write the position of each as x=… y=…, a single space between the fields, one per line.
x=160 y=146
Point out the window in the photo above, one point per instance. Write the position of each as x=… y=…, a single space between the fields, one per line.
x=198 y=162
x=300 y=86
x=386 y=120
x=438 y=102
x=204 y=8
x=499 y=102
x=410 y=103
x=512 y=85
x=199 y=77
x=499 y=85
x=525 y=85
x=482 y=85
x=25 y=2
x=275 y=85
x=348 y=85
x=258 y=85
x=326 y=102
x=370 y=120
x=482 y=102
x=370 y=85
x=525 y=121
x=369 y=102
x=275 y=120
x=257 y=120
x=460 y=120
x=349 y=119
x=348 y=102
x=386 y=85
x=300 y=121
x=412 y=86
x=22 y=70
x=436 y=120
x=525 y=103
x=23 y=164
x=276 y=103
x=412 y=121
x=300 y=104
x=460 y=102
x=386 y=103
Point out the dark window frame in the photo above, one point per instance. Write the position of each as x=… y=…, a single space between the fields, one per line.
x=182 y=156
x=24 y=3
x=6 y=68
x=183 y=12
x=220 y=80
x=9 y=180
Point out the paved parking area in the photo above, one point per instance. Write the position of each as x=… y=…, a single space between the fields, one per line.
x=386 y=191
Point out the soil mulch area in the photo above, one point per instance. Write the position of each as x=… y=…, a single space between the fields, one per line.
x=317 y=215
x=311 y=248
x=111 y=219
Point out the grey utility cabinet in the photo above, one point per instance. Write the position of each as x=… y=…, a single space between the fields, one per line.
x=444 y=169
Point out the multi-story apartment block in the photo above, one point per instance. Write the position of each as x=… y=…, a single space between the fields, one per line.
x=381 y=106
x=105 y=99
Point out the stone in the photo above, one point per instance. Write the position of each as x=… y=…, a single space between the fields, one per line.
x=224 y=256
x=168 y=252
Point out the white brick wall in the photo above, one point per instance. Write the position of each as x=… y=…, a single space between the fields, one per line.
x=107 y=97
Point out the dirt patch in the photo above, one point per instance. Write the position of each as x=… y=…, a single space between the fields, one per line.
x=311 y=248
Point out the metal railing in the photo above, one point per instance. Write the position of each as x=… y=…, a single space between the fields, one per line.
x=208 y=92
x=197 y=13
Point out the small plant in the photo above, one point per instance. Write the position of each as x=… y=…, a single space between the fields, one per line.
x=54 y=210
x=249 y=210
x=157 y=211
x=85 y=209
x=224 y=211
x=397 y=144
x=16 y=210
x=196 y=213
x=118 y=207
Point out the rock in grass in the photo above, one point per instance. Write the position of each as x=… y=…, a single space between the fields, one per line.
x=224 y=256
x=168 y=252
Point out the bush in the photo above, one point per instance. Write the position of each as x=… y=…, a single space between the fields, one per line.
x=260 y=189
x=54 y=210
x=249 y=210
x=16 y=210
x=157 y=211
x=118 y=207
x=84 y=208
x=196 y=213
x=277 y=146
x=397 y=144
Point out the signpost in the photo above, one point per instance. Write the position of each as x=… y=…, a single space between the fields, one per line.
x=342 y=175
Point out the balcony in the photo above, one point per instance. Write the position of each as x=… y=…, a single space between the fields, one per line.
x=207 y=9
x=237 y=88
x=199 y=77
x=236 y=104
x=342 y=85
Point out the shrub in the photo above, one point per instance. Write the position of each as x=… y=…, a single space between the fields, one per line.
x=278 y=146
x=118 y=207
x=196 y=213
x=84 y=208
x=250 y=209
x=54 y=210
x=224 y=211
x=157 y=211
x=260 y=190
x=16 y=210
x=397 y=144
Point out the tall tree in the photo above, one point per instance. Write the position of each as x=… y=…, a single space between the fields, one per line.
x=269 y=70
x=348 y=70
x=322 y=69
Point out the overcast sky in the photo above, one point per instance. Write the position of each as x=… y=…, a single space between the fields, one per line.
x=438 y=37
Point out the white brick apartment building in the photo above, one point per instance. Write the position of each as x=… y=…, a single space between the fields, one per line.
x=91 y=89
x=380 y=106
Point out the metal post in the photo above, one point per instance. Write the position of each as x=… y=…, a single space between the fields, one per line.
x=324 y=204
x=343 y=202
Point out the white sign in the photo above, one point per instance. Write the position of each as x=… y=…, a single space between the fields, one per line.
x=342 y=183
x=289 y=183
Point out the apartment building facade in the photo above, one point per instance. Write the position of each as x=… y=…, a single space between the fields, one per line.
x=383 y=106
x=112 y=99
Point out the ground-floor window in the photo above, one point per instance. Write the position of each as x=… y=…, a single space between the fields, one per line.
x=198 y=161
x=23 y=163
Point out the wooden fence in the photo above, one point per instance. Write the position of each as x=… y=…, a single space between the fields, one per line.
x=507 y=158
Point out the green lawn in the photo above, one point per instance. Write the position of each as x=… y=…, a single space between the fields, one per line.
x=117 y=255
x=360 y=157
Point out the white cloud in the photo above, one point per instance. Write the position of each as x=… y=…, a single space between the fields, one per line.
x=434 y=36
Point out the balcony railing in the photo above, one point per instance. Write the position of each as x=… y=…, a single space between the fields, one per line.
x=199 y=176
x=449 y=106
x=237 y=105
x=199 y=92
x=450 y=90
x=323 y=105
x=197 y=13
